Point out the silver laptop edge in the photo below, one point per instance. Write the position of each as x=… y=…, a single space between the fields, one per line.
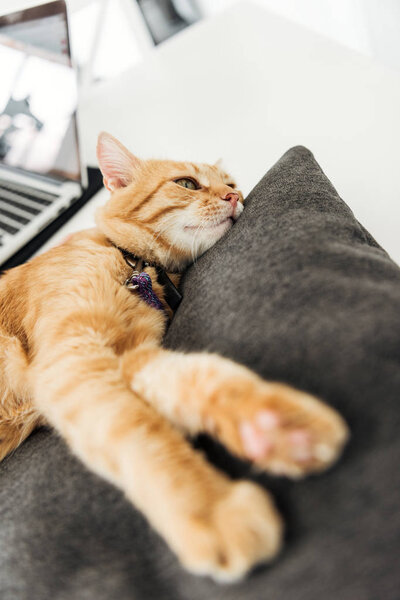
x=65 y=191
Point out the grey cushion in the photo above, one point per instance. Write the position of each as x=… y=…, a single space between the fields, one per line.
x=300 y=292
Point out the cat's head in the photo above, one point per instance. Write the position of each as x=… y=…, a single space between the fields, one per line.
x=165 y=211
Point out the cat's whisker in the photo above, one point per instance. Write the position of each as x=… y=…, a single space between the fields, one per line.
x=166 y=227
x=199 y=228
x=192 y=245
x=170 y=245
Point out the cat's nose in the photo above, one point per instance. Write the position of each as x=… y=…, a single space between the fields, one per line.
x=232 y=197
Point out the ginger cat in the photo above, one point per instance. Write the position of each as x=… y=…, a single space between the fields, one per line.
x=80 y=351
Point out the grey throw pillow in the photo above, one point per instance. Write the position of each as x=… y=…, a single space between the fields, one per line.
x=299 y=292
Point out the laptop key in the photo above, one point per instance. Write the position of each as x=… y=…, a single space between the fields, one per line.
x=28 y=192
x=16 y=210
x=25 y=207
x=43 y=199
x=19 y=201
x=14 y=217
x=8 y=228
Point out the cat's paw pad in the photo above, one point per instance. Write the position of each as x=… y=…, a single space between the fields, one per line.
x=257 y=443
x=240 y=531
x=298 y=436
x=259 y=439
x=283 y=430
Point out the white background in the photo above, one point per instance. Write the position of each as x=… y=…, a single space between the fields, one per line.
x=345 y=108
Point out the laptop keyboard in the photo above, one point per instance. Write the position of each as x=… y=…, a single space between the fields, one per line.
x=19 y=205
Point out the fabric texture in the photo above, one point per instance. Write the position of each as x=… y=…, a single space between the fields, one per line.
x=299 y=292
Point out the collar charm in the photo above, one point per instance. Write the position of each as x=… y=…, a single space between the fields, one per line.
x=142 y=283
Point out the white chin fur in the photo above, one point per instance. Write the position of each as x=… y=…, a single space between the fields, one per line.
x=196 y=240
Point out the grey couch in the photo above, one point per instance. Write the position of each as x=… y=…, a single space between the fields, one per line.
x=299 y=292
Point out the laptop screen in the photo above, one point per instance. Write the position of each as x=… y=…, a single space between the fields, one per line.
x=38 y=93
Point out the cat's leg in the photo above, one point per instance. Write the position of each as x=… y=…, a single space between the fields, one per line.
x=216 y=526
x=18 y=417
x=281 y=429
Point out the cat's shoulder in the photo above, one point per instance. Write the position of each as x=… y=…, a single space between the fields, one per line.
x=90 y=236
x=79 y=251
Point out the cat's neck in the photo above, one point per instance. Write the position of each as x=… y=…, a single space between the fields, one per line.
x=139 y=261
x=172 y=296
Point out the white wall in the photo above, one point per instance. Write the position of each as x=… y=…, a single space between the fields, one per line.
x=368 y=26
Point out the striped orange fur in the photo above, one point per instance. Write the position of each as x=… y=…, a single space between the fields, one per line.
x=82 y=353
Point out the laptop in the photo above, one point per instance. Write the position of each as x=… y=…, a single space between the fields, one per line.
x=41 y=173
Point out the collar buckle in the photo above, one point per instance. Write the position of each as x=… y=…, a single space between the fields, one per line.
x=137 y=264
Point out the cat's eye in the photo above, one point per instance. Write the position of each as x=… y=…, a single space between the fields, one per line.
x=232 y=185
x=188 y=183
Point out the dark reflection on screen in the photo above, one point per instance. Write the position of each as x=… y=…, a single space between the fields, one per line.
x=38 y=94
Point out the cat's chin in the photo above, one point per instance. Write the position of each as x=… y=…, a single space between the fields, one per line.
x=215 y=232
x=205 y=236
x=212 y=228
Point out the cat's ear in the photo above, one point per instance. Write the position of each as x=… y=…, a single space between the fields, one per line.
x=117 y=164
x=219 y=163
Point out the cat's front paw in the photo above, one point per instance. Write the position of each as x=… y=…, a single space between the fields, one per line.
x=282 y=430
x=240 y=531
